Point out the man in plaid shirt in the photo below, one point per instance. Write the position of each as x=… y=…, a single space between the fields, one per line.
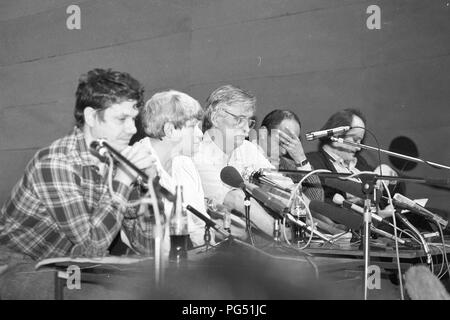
x=62 y=205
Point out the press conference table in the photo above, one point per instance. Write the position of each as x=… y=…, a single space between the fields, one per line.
x=239 y=272
x=382 y=253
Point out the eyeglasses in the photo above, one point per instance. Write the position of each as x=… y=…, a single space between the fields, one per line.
x=242 y=120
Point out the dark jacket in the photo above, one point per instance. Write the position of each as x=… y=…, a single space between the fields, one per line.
x=322 y=160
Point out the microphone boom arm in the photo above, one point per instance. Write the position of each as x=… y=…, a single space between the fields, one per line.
x=394 y=154
x=142 y=175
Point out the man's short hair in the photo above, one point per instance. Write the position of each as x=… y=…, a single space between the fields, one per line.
x=100 y=88
x=341 y=118
x=169 y=106
x=226 y=96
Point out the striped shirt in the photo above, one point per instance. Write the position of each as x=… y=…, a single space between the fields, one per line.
x=62 y=206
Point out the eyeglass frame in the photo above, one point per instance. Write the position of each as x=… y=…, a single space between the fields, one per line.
x=250 y=122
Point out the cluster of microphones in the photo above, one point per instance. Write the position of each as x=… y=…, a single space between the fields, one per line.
x=258 y=186
x=340 y=211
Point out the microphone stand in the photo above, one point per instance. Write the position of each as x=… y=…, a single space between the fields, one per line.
x=143 y=178
x=211 y=224
x=368 y=187
x=394 y=154
x=248 y=225
x=402 y=156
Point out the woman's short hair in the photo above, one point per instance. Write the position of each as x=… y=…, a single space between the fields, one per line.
x=227 y=95
x=274 y=118
x=168 y=106
x=341 y=118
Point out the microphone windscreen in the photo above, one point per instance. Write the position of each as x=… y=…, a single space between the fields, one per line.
x=95 y=145
x=422 y=284
x=98 y=150
x=230 y=176
x=339 y=215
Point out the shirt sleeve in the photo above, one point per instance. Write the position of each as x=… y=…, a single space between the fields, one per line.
x=138 y=225
x=90 y=225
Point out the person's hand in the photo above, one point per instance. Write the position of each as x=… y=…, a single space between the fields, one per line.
x=385 y=170
x=387 y=212
x=271 y=151
x=293 y=145
x=139 y=154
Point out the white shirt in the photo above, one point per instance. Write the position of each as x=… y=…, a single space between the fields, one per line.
x=210 y=160
x=343 y=167
x=339 y=164
x=184 y=173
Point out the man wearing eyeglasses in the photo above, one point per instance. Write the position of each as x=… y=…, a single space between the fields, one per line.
x=229 y=117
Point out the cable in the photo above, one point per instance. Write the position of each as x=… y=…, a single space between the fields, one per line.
x=394 y=220
x=299 y=184
x=443 y=248
x=440 y=274
x=316 y=270
x=378 y=145
x=296 y=193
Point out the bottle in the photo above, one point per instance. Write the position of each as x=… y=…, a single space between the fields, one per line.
x=179 y=234
x=299 y=212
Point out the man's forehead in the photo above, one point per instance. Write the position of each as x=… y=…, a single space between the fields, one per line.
x=128 y=107
x=240 y=110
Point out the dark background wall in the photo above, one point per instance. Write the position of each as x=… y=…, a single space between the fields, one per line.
x=312 y=56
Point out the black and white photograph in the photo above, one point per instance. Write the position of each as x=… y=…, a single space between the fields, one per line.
x=223 y=155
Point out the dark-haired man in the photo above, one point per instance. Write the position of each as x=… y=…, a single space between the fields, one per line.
x=342 y=158
x=62 y=204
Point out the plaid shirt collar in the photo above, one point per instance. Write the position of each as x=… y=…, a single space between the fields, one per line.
x=79 y=151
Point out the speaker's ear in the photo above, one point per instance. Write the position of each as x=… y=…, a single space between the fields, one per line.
x=90 y=115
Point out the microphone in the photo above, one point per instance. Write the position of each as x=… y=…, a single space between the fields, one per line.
x=339 y=199
x=347 y=186
x=258 y=178
x=340 y=215
x=208 y=221
x=406 y=203
x=308 y=227
x=98 y=149
x=439 y=182
x=411 y=227
x=326 y=133
x=230 y=176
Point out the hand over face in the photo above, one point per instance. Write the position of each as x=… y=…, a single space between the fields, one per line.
x=292 y=144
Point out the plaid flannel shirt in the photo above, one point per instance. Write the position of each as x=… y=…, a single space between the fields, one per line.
x=62 y=206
